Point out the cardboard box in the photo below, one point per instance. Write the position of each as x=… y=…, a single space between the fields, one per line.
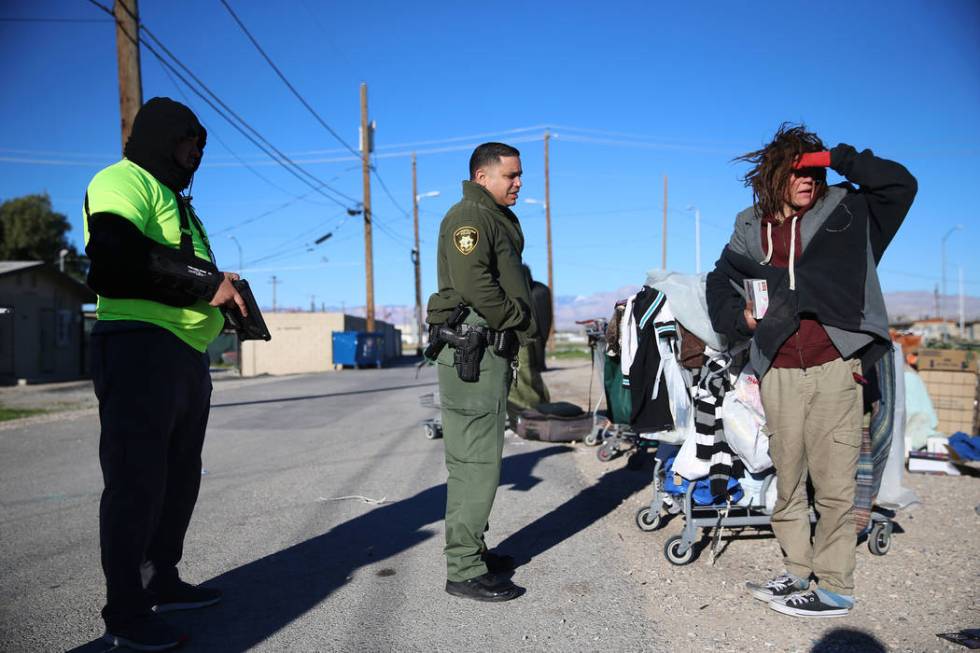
x=954 y=397
x=947 y=359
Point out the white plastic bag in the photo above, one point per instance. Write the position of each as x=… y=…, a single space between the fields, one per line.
x=745 y=422
x=687 y=463
x=679 y=397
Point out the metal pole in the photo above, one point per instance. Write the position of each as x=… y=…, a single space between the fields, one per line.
x=240 y=266
x=128 y=59
x=366 y=172
x=547 y=222
x=416 y=256
x=942 y=299
x=962 y=307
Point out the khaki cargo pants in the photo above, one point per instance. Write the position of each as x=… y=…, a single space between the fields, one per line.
x=474 y=416
x=814 y=417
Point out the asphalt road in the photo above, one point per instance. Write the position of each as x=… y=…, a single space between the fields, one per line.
x=303 y=573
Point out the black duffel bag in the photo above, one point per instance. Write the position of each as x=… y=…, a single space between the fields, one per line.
x=556 y=422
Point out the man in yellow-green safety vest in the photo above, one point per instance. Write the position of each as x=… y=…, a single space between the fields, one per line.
x=158 y=308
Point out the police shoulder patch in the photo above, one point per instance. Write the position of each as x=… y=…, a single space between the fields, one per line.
x=465 y=239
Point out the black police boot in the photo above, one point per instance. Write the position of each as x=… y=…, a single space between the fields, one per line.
x=484 y=588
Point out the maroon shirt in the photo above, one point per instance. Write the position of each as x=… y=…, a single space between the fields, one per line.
x=810 y=345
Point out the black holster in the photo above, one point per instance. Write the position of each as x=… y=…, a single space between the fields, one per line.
x=467 y=354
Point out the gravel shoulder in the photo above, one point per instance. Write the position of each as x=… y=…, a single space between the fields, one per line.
x=928 y=583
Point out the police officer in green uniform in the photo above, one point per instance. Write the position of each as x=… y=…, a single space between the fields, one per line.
x=158 y=297
x=479 y=269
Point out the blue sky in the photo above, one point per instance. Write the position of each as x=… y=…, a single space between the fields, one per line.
x=631 y=92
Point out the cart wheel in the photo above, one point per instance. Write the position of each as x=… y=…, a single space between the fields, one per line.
x=673 y=554
x=604 y=454
x=592 y=439
x=647 y=520
x=430 y=431
x=880 y=539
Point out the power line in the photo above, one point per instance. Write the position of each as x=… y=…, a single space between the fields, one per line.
x=281 y=250
x=292 y=167
x=54 y=20
x=384 y=187
x=437 y=141
x=213 y=133
x=285 y=81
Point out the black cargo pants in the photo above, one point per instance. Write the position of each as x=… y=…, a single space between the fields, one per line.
x=154 y=395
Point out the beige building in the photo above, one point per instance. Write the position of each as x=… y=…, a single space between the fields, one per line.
x=303 y=343
x=41 y=327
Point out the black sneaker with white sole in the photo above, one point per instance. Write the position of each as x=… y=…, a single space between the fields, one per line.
x=780 y=587
x=147 y=632
x=179 y=595
x=808 y=604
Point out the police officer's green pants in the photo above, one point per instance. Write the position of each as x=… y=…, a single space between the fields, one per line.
x=474 y=416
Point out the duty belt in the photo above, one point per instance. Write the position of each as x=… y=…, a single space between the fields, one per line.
x=502 y=343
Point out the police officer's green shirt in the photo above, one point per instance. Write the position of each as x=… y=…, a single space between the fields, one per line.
x=129 y=191
x=479 y=263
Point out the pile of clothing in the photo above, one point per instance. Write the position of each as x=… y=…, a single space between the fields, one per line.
x=700 y=399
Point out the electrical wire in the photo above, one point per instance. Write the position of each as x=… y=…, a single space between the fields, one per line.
x=285 y=81
x=282 y=159
x=214 y=134
x=308 y=106
x=384 y=187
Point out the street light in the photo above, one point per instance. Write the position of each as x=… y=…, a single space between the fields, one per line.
x=697 y=237
x=416 y=255
x=942 y=300
x=239 y=253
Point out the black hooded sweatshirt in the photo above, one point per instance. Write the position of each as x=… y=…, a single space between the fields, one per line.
x=124 y=262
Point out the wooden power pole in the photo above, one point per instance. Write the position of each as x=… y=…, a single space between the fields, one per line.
x=663 y=259
x=547 y=226
x=366 y=171
x=416 y=255
x=128 y=57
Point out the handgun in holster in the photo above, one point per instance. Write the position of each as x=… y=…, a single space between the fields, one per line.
x=436 y=341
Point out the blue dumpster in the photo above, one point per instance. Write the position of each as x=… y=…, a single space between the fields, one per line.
x=357 y=349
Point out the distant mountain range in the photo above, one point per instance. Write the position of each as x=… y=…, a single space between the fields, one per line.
x=902 y=306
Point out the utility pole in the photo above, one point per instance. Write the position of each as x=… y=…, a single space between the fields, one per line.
x=128 y=57
x=366 y=141
x=416 y=255
x=663 y=258
x=962 y=307
x=547 y=226
x=275 y=282
x=312 y=303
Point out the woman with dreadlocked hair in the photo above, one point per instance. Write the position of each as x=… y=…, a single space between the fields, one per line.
x=817 y=247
